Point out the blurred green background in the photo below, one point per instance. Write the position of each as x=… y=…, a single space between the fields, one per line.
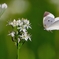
x=44 y=44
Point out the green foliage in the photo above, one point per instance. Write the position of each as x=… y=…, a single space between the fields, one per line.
x=44 y=44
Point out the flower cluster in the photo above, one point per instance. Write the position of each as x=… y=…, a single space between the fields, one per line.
x=20 y=33
x=3 y=7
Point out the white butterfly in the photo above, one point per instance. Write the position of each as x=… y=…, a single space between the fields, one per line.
x=50 y=22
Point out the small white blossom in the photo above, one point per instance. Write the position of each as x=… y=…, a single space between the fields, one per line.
x=25 y=36
x=4 y=5
x=19 y=22
x=14 y=23
x=22 y=28
x=12 y=34
x=27 y=26
x=26 y=23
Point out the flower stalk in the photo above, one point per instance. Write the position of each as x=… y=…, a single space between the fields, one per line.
x=20 y=34
x=3 y=7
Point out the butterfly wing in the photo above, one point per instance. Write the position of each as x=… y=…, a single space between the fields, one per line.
x=54 y=25
x=48 y=19
x=48 y=14
x=57 y=18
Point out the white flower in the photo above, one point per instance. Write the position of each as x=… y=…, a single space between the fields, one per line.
x=12 y=34
x=18 y=40
x=20 y=33
x=25 y=36
x=22 y=28
x=19 y=22
x=27 y=26
x=26 y=23
x=14 y=23
x=4 y=5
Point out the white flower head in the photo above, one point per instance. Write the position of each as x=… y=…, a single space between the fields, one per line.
x=4 y=5
x=25 y=36
x=14 y=23
x=20 y=30
x=12 y=34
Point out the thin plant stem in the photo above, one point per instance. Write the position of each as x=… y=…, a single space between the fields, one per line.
x=19 y=46
x=18 y=51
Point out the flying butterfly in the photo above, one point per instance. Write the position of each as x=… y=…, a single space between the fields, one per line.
x=50 y=22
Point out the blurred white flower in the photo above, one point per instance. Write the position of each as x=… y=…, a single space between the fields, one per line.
x=19 y=22
x=14 y=23
x=12 y=34
x=26 y=23
x=22 y=28
x=22 y=25
x=19 y=6
x=4 y=5
x=25 y=36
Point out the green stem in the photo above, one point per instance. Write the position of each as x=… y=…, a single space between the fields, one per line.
x=2 y=11
x=18 y=51
x=19 y=46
